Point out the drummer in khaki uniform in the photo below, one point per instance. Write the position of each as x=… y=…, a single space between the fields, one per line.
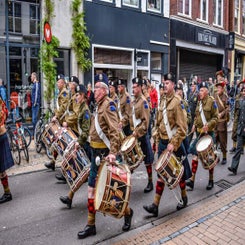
x=221 y=127
x=171 y=131
x=204 y=123
x=105 y=120
x=113 y=90
x=124 y=107
x=61 y=105
x=82 y=127
x=140 y=122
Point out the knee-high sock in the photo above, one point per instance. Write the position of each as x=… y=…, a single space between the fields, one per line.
x=5 y=184
x=71 y=195
x=149 y=172
x=91 y=212
x=211 y=174
x=182 y=187
x=194 y=166
x=159 y=190
x=127 y=211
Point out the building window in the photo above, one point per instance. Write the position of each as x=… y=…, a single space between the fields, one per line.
x=34 y=19
x=243 y=17
x=184 y=7
x=14 y=16
x=131 y=3
x=218 y=12
x=204 y=10
x=154 y=5
x=156 y=61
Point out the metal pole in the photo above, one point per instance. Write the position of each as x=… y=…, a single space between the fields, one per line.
x=7 y=50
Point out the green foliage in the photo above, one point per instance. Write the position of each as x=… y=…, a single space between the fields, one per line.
x=81 y=42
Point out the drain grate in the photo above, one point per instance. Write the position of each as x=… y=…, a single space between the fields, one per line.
x=224 y=184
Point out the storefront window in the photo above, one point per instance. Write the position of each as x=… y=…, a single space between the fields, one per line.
x=154 y=5
x=14 y=16
x=131 y=3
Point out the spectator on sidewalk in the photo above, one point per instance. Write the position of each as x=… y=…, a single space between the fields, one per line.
x=3 y=91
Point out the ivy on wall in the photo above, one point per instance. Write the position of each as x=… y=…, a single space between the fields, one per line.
x=47 y=54
x=81 y=42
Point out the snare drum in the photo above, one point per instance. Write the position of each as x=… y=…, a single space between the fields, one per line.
x=169 y=169
x=113 y=188
x=75 y=166
x=51 y=132
x=205 y=150
x=65 y=137
x=132 y=152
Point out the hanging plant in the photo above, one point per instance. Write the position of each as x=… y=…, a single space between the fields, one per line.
x=81 y=42
x=47 y=54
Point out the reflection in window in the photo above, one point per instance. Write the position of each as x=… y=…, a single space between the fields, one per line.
x=14 y=16
x=184 y=7
x=154 y=5
x=132 y=3
x=34 y=19
x=218 y=12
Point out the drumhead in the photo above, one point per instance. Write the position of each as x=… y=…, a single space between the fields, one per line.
x=203 y=143
x=128 y=142
x=161 y=160
x=100 y=186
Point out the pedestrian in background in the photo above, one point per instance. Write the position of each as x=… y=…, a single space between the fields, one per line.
x=35 y=98
x=3 y=92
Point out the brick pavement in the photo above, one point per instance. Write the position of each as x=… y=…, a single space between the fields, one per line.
x=219 y=219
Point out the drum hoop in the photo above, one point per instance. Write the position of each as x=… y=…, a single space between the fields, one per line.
x=163 y=165
x=202 y=139
x=131 y=147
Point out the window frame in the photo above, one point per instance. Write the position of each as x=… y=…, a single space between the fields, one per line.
x=13 y=17
x=184 y=9
x=154 y=10
x=131 y=5
x=217 y=13
x=201 y=10
x=36 y=19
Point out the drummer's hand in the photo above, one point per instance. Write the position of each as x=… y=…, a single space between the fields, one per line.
x=64 y=124
x=193 y=129
x=170 y=148
x=111 y=158
x=54 y=119
x=134 y=134
x=205 y=128
x=120 y=126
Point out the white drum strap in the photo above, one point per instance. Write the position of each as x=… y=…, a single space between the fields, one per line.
x=177 y=195
x=136 y=122
x=99 y=130
x=204 y=121
x=119 y=110
x=166 y=122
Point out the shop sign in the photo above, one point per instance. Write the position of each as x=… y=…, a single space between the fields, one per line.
x=206 y=37
x=47 y=32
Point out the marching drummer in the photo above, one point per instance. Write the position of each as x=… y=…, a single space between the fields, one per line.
x=104 y=142
x=113 y=90
x=81 y=127
x=171 y=131
x=124 y=107
x=140 y=122
x=61 y=105
x=204 y=123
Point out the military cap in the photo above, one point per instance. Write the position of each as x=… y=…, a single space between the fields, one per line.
x=113 y=83
x=122 y=82
x=179 y=86
x=169 y=76
x=221 y=73
x=81 y=89
x=74 y=79
x=60 y=76
x=221 y=83
x=102 y=77
x=203 y=85
x=137 y=80
x=161 y=85
x=144 y=82
x=193 y=82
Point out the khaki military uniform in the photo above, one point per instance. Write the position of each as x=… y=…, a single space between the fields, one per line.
x=176 y=118
x=147 y=97
x=114 y=98
x=61 y=105
x=83 y=123
x=234 y=128
x=71 y=113
x=125 y=109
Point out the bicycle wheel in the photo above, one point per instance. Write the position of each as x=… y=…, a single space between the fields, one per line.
x=37 y=129
x=15 y=154
x=39 y=143
x=25 y=148
x=27 y=135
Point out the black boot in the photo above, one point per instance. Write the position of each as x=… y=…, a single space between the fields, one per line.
x=149 y=187
x=182 y=205
x=66 y=200
x=60 y=177
x=210 y=185
x=232 y=150
x=223 y=161
x=50 y=165
x=127 y=220
x=152 y=209
x=232 y=170
x=6 y=197
x=89 y=230
x=190 y=184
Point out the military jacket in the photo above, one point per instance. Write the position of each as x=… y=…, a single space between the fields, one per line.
x=108 y=121
x=239 y=118
x=142 y=112
x=83 y=123
x=210 y=111
x=235 y=122
x=114 y=97
x=62 y=101
x=192 y=101
x=176 y=117
x=188 y=112
x=125 y=108
x=223 y=108
x=71 y=113
x=147 y=97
